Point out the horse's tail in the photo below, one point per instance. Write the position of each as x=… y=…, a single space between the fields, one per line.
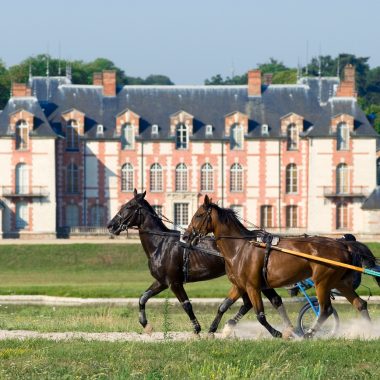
x=362 y=256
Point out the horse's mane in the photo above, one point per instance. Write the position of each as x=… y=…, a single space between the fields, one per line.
x=228 y=216
x=158 y=219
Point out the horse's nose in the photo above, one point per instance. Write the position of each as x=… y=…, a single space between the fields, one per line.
x=186 y=236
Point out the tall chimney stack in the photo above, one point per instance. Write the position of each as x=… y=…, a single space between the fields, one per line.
x=109 y=83
x=254 y=83
x=347 y=87
x=97 y=79
x=20 y=90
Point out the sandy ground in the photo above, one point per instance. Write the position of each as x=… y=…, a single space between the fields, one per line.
x=351 y=329
x=76 y=301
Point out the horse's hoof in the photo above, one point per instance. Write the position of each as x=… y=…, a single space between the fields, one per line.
x=148 y=329
x=288 y=333
x=308 y=334
x=210 y=335
x=228 y=330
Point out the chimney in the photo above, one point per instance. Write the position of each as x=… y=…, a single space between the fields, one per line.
x=97 y=79
x=347 y=86
x=268 y=78
x=20 y=90
x=109 y=83
x=254 y=83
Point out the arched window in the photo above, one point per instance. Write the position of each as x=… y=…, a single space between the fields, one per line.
x=181 y=177
x=127 y=137
x=72 y=215
x=22 y=179
x=378 y=171
x=127 y=177
x=22 y=218
x=343 y=136
x=266 y=216
x=237 y=137
x=292 y=137
x=156 y=177
x=341 y=216
x=236 y=177
x=291 y=179
x=342 y=179
x=207 y=177
x=72 y=178
x=72 y=135
x=97 y=216
x=291 y=216
x=182 y=137
x=22 y=135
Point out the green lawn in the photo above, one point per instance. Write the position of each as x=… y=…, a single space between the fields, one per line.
x=270 y=359
x=95 y=270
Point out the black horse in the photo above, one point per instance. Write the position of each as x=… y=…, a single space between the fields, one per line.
x=172 y=264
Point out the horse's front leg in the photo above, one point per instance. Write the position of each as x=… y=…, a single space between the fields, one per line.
x=257 y=302
x=182 y=297
x=233 y=296
x=277 y=303
x=153 y=290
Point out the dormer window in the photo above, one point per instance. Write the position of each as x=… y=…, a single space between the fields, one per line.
x=182 y=137
x=22 y=135
x=292 y=137
x=72 y=135
x=208 y=130
x=127 y=137
x=264 y=130
x=343 y=136
x=236 y=137
x=154 y=129
x=99 y=130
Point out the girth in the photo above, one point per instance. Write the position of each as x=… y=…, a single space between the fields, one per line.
x=268 y=239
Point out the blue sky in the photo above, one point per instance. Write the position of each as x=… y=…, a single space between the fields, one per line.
x=189 y=40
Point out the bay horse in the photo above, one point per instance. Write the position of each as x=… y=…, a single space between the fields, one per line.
x=167 y=263
x=245 y=262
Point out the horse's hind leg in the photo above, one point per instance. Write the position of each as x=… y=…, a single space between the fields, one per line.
x=153 y=290
x=325 y=308
x=257 y=302
x=357 y=302
x=181 y=294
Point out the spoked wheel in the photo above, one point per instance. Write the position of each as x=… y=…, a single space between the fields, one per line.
x=307 y=317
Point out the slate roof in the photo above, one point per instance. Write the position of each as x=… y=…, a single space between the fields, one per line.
x=42 y=127
x=312 y=98
x=373 y=201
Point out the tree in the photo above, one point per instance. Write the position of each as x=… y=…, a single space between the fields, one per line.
x=271 y=67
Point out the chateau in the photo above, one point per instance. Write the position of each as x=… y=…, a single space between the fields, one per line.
x=290 y=158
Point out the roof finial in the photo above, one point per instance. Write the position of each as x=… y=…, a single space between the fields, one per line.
x=47 y=65
x=30 y=71
x=307 y=58
x=338 y=67
x=320 y=62
x=59 y=58
x=298 y=69
x=68 y=70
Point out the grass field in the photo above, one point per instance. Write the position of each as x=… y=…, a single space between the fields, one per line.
x=120 y=271
x=96 y=270
x=269 y=359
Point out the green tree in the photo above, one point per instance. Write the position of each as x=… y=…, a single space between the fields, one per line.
x=271 y=67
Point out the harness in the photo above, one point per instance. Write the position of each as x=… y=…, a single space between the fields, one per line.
x=187 y=248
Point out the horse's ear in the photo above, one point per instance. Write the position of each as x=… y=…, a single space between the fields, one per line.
x=134 y=192
x=143 y=195
x=207 y=200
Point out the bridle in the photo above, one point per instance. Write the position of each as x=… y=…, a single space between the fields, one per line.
x=197 y=233
x=124 y=223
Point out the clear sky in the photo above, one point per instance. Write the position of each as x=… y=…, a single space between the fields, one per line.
x=189 y=40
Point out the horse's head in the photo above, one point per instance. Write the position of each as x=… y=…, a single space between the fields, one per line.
x=202 y=223
x=129 y=215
